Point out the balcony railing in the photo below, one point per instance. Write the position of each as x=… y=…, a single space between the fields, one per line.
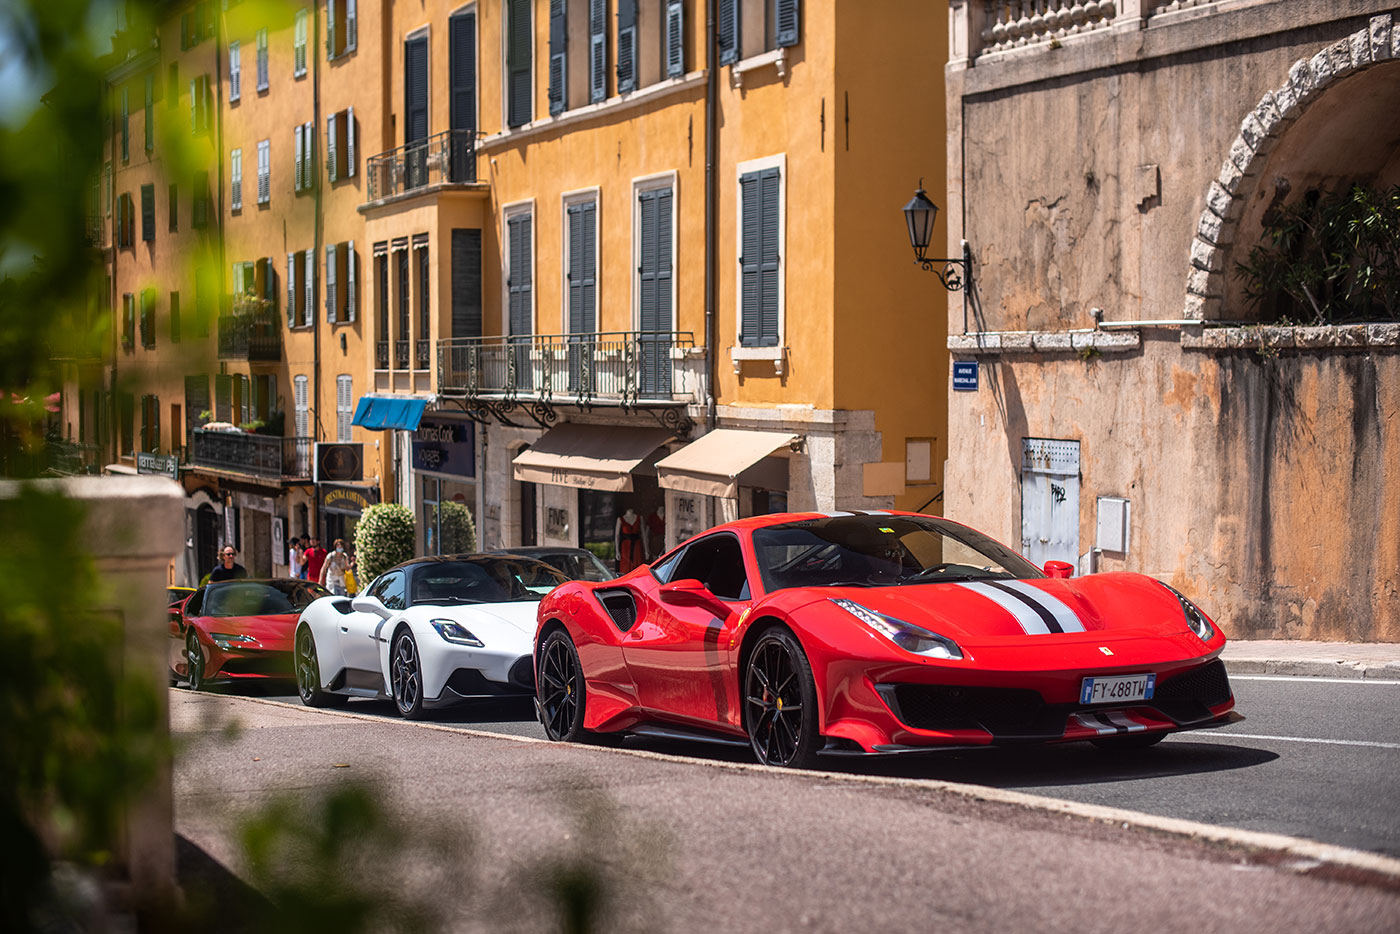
x=449 y=156
x=422 y=356
x=400 y=355
x=259 y=455
x=1013 y=23
x=618 y=368
x=250 y=337
x=381 y=355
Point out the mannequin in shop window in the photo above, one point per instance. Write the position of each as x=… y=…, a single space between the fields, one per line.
x=655 y=533
x=627 y=540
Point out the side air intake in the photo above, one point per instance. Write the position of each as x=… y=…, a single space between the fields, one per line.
x=621 y=606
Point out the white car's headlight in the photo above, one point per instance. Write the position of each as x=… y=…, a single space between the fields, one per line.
x=455 y=633
x=907 y=636
x=1195 y=619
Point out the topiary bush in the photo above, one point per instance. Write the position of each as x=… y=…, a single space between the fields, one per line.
x=383 y=538
x=457 y=528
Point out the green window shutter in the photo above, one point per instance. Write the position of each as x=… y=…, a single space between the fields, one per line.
x=675 y=38
x=626 y=46
x=728 y=31
x=788 y=22
x=148 y=213
x=126 y=127
x=597 y=50
x=150 y=113
x=558 y=61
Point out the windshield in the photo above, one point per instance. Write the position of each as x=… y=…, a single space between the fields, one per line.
x=881 y=551
x=260 y=598
x=483 y=580
x=577 y=565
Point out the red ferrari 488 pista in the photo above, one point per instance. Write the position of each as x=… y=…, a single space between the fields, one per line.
x=873 y=633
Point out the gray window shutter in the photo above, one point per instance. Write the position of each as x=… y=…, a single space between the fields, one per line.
x=330 y=282
x=291 y=290
x=789 y=17
x=415 y=58
x=330 y=147
x=750 y=250
x=558 y=62
x=194 y=112
x=597 y=51
x=466 y=282
x=675 y=38
x=626 y=46
x=521 y=281
x=654 y=288
x=769 y=183
x=520 y=108
x=350 y=142
x=350 y=262
x=300 y=146
x=148 y=212
x=462 y=64
x=583 y=273
x=729 y=38
x=308 y=140
x=351 y=26
x=330 y=28
x=309 y=307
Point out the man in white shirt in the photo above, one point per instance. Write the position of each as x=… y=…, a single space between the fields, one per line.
x=294 y=557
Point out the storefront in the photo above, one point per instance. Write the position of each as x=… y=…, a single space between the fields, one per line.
x=443 y=459
x=341 y=505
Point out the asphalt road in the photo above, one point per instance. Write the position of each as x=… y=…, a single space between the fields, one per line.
x=1315 y=758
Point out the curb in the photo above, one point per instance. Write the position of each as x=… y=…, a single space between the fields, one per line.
x=1313 y=668
x=1305 y=855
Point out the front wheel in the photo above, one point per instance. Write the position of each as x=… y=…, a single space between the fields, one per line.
x=406 y=676
x=780 y=702
x=309 y=674
x=194 y=661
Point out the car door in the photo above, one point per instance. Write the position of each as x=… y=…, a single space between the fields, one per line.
x=179 y=617
x=359 y=632
x=679 y=655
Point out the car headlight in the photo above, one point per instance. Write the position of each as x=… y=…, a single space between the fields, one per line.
x=456 y=633
x=1194 y=617
x=232 y=640
x=907 y=636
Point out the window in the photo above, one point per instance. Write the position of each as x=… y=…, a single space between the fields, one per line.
x=196 y=400
x=174 y=320
x=264 y=171
x=126 y=221
x=177 y=442
x=199 y=200
x=150 y=423
x=173 y=204
x=466 y=282
x=597 y=50
x=402 y=337
x=340 y=144
x=340 y=28
x=126 y=126
x=126 y=405
x=304 y=137
x=150 y=112
x=301 y=269
x=128 y=321
x=172 y=86
x=581 y=267
x=341 y=261
x=415 y=89
x=199 y=105
x=424 y=315
x=461 y=65
x=299 y=46
x=235 y=174
x=148 y=213
x=262 y=59
x=718 y=563
x=752 y=27
x=301 y=417
x=344 y=407
x=223 y=398
x=673 y=39
x=519 y=48
x=761 y=225
x=235 y=72
x=381 y=305
x=242 y=399
x=519 y=276
x=148 y=318
x=558 y=56
x=244 y=279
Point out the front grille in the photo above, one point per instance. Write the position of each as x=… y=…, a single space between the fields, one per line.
x=1014 y=711
x=469 y=682
x=1190 y=695
x=273 y=665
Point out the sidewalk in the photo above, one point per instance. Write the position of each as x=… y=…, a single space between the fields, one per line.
x=1369 y=660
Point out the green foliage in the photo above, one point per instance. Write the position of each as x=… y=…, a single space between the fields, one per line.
x=457 y=529
x=1329 y=258
x=384 y=537
x=82 y=738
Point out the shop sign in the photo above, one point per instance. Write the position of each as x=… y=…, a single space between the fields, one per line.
x=339 y=462
x=163 y=464
x=348 y=499
x=556 y=522
x=688 y=517
x=445 y=447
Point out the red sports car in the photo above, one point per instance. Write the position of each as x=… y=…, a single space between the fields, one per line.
x=238 y=629
x=877 y=632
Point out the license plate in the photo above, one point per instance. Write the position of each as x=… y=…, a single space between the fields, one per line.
x=1117 y=688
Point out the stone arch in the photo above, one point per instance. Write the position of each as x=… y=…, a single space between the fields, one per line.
x=1229 y=193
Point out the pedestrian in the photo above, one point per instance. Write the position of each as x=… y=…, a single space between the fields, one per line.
x=227 y=569
x=315 y=557
x=334 y=568
x=294 y=557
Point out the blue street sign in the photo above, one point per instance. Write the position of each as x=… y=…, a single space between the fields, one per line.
x=965 y=375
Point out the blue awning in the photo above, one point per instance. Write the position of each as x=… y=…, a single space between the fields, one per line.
x=379 y=413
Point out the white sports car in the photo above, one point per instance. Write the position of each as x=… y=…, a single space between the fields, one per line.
x=427 y=633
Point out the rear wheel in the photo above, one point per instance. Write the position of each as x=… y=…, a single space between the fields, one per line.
x=559 y=689
x=780 y=702
x=309 y=674
x=1128 y=741
x=406 y=676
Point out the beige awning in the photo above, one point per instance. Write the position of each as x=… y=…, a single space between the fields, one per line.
x=590 y=457
x=712 y=464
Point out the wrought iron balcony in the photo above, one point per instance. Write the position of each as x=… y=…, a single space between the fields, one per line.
x=381 y=355
x=423 y=354
x=400 y=355
x=446 y=157
x=250 y=337
x=623 y=368
x=258 y=455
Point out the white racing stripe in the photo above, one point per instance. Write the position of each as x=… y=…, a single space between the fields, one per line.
x=1028 y=619
x=1094 y=720
x=1067 y=618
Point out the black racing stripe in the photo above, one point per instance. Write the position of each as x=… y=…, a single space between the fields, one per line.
x=1102 y=718
x=1041 y=611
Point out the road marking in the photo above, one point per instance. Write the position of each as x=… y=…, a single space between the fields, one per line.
x=1308 y=679
x=1305 y=850
x=1295 y=739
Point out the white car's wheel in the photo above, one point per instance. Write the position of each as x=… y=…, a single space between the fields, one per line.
x=309 y=674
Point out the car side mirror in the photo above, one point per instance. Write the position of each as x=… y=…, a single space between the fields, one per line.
x=1060 y=569
x=691 y=592
x=369 y=604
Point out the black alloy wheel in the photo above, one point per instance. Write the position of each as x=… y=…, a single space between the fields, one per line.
x=780 y=702
x=559 y=689
x=309 y=674
x=406 y=676
x=1126 y=742
x=194 y=661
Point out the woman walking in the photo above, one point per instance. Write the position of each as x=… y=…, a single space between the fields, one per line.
x=333 y=571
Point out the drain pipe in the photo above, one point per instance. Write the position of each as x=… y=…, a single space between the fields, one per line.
x=1102 y=325
x=711 y=212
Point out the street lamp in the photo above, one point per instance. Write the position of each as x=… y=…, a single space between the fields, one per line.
x=920 y=214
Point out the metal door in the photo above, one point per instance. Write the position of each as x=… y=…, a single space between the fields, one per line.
x=1049 y=500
